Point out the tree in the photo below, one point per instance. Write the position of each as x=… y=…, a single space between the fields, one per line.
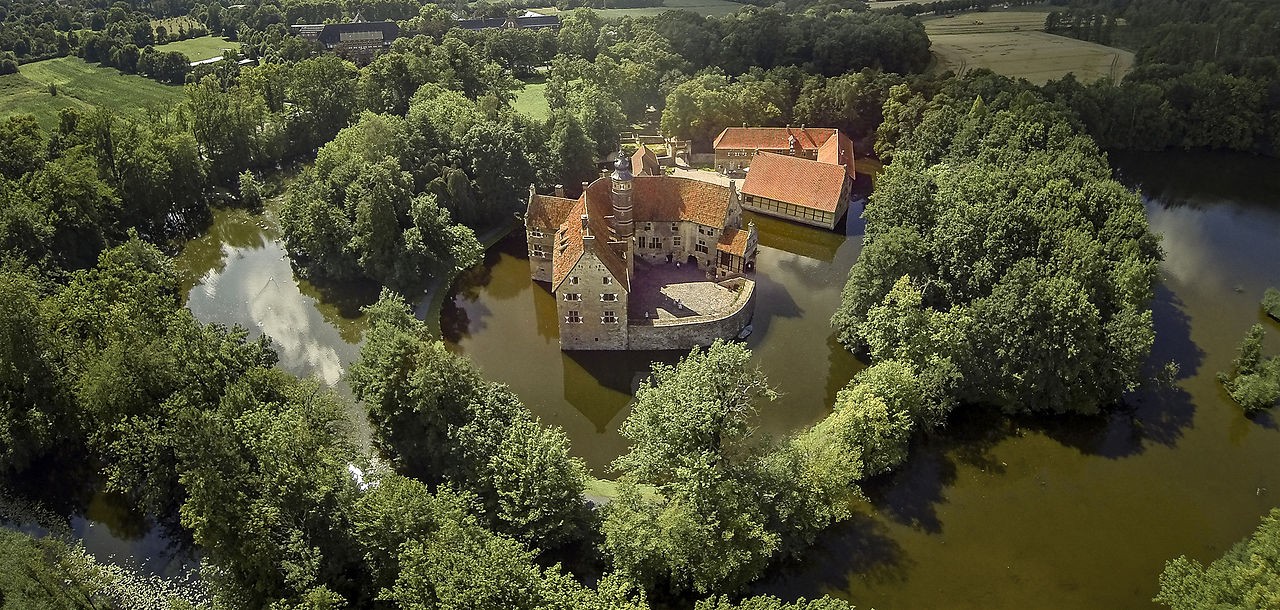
x=1244 y=577
x=45 y=574
x=1271 y=303
x=22 y=146
x=570 y=155
x=724 y=504
x=250 y=190
x=693 y=416
x=439 y=421
x=494 y=157
x=1254 y=382
x=32 y=391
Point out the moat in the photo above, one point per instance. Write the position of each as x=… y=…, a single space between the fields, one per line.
x=990 y=513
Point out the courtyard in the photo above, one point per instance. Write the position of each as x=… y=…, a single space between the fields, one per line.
x=668 y=291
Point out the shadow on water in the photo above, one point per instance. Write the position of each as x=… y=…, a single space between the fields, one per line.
x=859 y=548
x=911 y=494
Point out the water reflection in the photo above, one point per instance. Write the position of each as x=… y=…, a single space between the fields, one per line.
x=242 y=276
x=997 y=512
x=507 y=324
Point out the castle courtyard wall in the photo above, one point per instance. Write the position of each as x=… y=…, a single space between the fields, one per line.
x=686 y=333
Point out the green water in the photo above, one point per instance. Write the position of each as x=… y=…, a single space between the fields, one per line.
x=990 y=513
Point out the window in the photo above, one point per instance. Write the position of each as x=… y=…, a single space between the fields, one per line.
x=607 y=280
x=700 y=247
x=609 y=296
x=648 y=226
x=536 y=234
x=608 y=318
x=572 y=317
x=538 y=252
x=675 y=227
x=675 y=241
x=572 y=296
x=573 y=280
x=655 y=243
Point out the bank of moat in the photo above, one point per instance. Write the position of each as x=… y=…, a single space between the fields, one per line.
x=644 y=261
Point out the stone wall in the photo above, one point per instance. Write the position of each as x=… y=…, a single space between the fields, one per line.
x=685 y=333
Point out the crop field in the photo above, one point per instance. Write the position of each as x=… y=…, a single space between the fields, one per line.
x=196 y=49
x=1014 y=44
x=80 y=85
x=702 y=7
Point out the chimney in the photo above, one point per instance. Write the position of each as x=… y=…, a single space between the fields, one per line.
x=584 y=186
x=585 y=228
x=559 y=190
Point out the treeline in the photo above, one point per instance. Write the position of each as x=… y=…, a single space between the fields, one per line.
x=1244 y=577
x=1002 y=261
x=566 y=5
x=945 y=7
x=1206 y=74
x=831 y=71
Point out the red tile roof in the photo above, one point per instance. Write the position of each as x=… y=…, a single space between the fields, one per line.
x=645 y=162
x=569 y=246
x=734 y=241
x=838 y=151
x=802 y=182
x=665 y=199
x=772 y=138
x=547 y=212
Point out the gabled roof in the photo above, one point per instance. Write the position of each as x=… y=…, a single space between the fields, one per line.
x=733 y=241
x=772 y=138
x=569 y=246
x=802 y=182
x=547 y=212
x=645 y=163
x=331 y=33
x=838 y=151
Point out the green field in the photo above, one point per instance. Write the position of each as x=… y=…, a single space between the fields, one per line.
x=531 y=100
x=702 y=7
x=205 y=47
x=80 y=85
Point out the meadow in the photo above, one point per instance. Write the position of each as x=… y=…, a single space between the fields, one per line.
x=1014 y=44
x=80 y=85
x=531 y=100
x=205 y=47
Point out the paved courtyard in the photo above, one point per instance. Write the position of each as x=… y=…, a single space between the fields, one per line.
x=663 y=291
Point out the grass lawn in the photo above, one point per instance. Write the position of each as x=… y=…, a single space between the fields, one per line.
x=80 y=85
x=531 y=100
x=1014 y=44
x=605 y=490
x=196 y=49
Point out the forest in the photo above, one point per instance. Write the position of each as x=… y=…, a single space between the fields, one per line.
x=1207 y=74
x=996 y=228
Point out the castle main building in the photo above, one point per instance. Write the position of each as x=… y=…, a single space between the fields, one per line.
x=644 y=261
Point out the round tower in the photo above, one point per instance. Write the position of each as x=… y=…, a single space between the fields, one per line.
x=623 y=222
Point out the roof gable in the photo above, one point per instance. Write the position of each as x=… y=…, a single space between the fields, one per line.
x=802 y=182
x=838 y=151
x=547 y=212
x=773 y=138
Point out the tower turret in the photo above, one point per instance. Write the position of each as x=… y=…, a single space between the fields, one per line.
x=621 y=178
